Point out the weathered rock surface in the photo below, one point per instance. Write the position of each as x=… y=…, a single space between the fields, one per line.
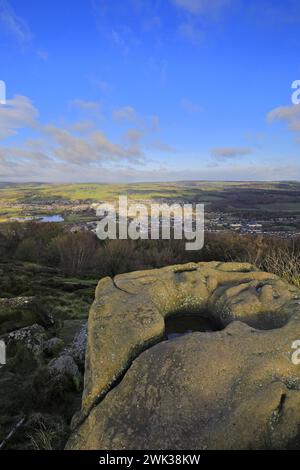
x=38 y=319
x=53 y=346
x=32 y=338
x=78 y=346
x=235 y=388
x=65 y=365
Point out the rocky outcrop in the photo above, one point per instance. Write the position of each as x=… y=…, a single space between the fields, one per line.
x=42 y=331
x=67 y=367
x=235 y=388
x=53 y=346
x=20 y=312
x=78 y=346
x=32 y=338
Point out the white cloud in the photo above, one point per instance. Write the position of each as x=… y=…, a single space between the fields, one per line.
x=61 y=154
x=66 y=148
x=92 y=148
x=17 y=113
x=288 y=114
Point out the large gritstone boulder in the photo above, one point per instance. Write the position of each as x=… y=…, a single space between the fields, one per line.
x=234 y=387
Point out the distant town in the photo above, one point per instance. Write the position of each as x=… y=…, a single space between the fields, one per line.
x=79 y=215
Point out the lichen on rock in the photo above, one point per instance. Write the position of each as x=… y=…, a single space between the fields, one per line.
x=234 y=388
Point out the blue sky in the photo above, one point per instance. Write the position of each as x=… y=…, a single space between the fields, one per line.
x=149 y=90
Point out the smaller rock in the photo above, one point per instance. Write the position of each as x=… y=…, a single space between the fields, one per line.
x=78 y=346
x=66 y=365
x=32 y=337
x=53 y=346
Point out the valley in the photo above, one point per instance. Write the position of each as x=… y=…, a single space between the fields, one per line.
x=246 y=207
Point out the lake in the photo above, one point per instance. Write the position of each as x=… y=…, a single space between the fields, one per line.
x=41 y=218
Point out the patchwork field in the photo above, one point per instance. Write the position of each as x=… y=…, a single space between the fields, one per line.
x=244 y=199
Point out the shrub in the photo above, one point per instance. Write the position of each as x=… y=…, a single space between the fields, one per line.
x=27 y=250
x=284 y=262
x=77 y=251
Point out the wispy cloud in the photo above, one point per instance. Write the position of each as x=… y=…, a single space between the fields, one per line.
x=190 y=32
x=82 y=127
x=223 y=153
x=118 y=38
x=202 y=7
x=158 y=68
x=153 y=22
x=17 y=113
x=126 y=113
x=93 y=148
x=270 y=13
x=87 y=106
x=44 y=170
x=162 y=146
x=61 y=154
x=42 y=54
x=13 y=24
x=154 y=123
x=197 y=15
x=134 y=135
x=65 y=147
x=288 y=114
x=191 y=107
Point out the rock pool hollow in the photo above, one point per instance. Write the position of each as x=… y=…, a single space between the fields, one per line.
x=186 y=323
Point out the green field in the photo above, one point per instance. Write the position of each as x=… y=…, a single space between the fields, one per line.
x=240 y=198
